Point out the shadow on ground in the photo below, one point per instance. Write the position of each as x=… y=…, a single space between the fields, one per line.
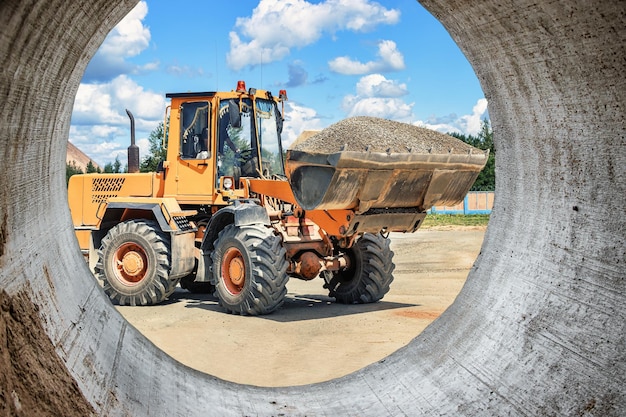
x=297 y=307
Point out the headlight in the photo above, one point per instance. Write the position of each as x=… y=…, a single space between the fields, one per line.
x=227 y=183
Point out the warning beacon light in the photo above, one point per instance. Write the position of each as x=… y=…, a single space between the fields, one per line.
x=282 y=94
x=241 y=87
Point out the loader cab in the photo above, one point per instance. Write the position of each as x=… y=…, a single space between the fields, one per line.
x=249 y=136
x=213 y=135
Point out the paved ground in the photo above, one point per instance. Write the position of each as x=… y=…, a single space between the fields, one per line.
x=310 y=339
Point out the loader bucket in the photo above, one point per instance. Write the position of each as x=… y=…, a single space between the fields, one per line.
x=363 y=180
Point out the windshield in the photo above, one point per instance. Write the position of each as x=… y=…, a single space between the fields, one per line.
x=238 y=152
x=268 y=120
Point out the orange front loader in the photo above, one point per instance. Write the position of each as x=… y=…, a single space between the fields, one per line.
x=229 y=212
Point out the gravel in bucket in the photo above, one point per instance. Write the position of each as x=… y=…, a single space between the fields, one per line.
x=373 y=134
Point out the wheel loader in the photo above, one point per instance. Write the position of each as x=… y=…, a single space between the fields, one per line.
x=230 y=213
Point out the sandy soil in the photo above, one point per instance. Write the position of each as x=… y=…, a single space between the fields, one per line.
x=33 y=379
x=311 y=339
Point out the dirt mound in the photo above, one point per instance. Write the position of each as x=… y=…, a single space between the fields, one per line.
x=77 y=157
x=380 y=135
x=33 y=380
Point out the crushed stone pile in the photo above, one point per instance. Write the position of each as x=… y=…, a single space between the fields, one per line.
x=373 y=134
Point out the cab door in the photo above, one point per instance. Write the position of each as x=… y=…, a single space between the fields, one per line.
x=195 y=167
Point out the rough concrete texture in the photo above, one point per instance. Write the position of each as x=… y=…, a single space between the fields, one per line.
x=537 y=330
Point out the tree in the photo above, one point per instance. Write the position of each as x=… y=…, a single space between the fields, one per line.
x=157 y=152
x=486 y=135
x=486 y=180
x=117 y=165
x=91 y=168
x=71 y=169
x=113 y=167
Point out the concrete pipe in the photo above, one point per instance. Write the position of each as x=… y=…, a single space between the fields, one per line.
x=538 y=328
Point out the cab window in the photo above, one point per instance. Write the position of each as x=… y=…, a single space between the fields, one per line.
x=236 y=145
x=269 y=123
x=194 y=132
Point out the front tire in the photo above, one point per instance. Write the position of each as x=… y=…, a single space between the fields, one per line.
x=370 y=274
x=249 y=270
x=134 y=263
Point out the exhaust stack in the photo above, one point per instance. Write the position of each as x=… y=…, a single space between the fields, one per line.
x=133 y=150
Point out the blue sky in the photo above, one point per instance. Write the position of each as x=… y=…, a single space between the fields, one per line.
x=335 y=58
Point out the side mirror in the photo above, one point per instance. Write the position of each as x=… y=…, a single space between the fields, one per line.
x=233 y=112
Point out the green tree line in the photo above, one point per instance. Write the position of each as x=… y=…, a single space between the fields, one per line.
x=149 y=162
x=110 y=168
x=486 y=180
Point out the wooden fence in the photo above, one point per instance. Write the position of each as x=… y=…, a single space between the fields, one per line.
x=475 y=202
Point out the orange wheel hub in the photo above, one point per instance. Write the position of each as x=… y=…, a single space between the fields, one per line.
x=130 y=263
x=233 y=270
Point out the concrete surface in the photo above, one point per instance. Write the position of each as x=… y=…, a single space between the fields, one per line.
x=539 y=326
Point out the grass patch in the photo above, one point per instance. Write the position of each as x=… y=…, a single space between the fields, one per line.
x=434 y=220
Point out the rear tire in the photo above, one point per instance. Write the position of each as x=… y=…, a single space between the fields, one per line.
x=249 y=270
x=134 y=263
x=370 y=274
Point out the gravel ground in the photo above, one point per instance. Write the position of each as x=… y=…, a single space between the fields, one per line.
x=381 y=135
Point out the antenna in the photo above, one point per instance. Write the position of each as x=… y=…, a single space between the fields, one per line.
x=217 y=69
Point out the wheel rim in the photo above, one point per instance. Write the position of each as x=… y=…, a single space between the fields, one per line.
x=130 y=263
x=233 y=270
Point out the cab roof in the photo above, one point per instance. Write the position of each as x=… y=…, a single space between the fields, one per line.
x=203 y=94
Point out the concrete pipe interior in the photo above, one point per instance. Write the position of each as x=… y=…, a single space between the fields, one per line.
x=538 y=328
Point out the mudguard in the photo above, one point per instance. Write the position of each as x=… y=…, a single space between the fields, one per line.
x=240 y=213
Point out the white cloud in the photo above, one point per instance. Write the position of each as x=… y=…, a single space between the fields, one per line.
x=148 y=67
x=385 y=108
x=104 y=147
x=297 y=120
x=99 y=145
x=468 y=124
x=127 y=39
x=376 y=85
x=144 y=146
x=276 y=26
x=100 y=125
x=104 y=130
x=185 y=71
x=379 y=97
x=472 y=122
x=390 y=59
x=105 y=103
x=93 y=104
